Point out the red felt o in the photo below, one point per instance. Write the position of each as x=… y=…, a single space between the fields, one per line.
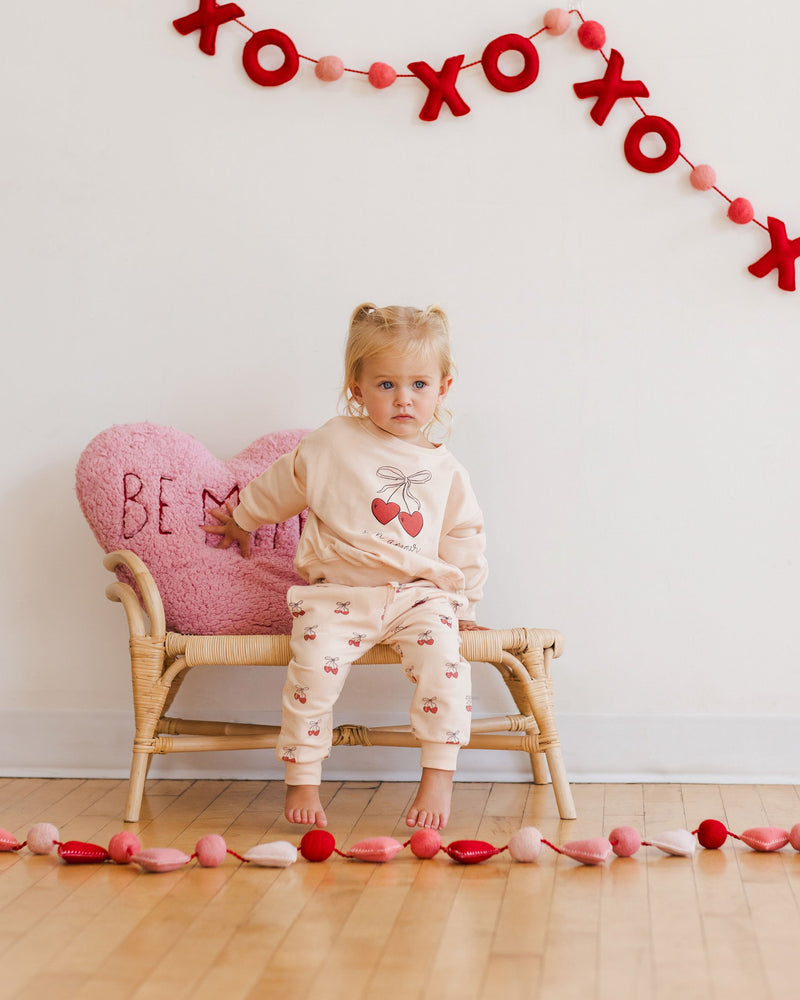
x=592 y=35
x=703 y=177
x=211 y=850
x=76 y=852
x=123 y=846
x=270 y=77
x=329 y=69
x=317 y=845
x=510 y=43
x=740 y=211
x=711 y=834
x=381 y=75
x=625 y=840
x=637 y=132
x=470 y=852
x=425 y=843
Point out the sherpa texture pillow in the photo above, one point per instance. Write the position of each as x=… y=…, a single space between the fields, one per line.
x=150 y=488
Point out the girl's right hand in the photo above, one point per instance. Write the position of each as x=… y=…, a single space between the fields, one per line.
x=229 y=530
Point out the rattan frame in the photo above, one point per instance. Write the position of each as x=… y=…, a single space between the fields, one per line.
x=160 y=659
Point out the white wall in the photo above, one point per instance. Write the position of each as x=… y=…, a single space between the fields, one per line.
x=183 y=246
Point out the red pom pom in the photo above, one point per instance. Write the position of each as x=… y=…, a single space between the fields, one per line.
x=123 y=846
x=711 y=834
x=592 y=35
x=625 y=840
x=317 y=845
x=470 y=852
x=740 y=211
x=425 y=843
x=381 y=75
x=794 y=836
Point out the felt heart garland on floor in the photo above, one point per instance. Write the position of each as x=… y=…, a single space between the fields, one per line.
x=442 y=92
x=525 y=846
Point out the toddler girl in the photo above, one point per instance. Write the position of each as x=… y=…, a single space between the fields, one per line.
x=392 y=550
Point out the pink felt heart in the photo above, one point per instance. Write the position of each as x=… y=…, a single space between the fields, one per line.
x=385 y=511
x=412 y=523
x=593 y=851
x=379 y=849
x=149 y=488
x=765 y=838
x=161 y=859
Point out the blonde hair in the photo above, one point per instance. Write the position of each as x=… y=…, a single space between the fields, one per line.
x=403 y=331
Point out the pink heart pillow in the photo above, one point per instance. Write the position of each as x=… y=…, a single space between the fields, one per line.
x=149 y=489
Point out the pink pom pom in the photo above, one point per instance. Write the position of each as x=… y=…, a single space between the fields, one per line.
x=329 y=69
x=625 y=840
x=525 y=845
x=703 y=177
x=381 y=75
x=317 y=845
x=592 y=35
x=794 y=836
x=425 y=843
x=711 y=834
x=740 y=211
x=42 y=838
x=556 y=20
x=211 y=850
x=123 y=846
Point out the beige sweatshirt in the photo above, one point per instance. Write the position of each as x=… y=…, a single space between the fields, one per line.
x=380 y=510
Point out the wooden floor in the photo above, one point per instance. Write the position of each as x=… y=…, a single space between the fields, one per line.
x=725 y=924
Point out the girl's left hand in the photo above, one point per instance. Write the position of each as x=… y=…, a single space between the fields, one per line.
x=468 y=626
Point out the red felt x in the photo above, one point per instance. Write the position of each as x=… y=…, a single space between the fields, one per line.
x=206 y=19
x=442 y=87
x=610 y=88
x=781 y=255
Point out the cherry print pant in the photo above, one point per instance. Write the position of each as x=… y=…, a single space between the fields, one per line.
x=333 y=626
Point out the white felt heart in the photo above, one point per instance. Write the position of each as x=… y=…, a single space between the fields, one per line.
x=681 y=843
x=593 y=851
x=278 y=854
x=765 y=838
x=149 y=489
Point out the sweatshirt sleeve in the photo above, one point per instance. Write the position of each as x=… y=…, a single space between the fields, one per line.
x=276 y=495
x=463 y=542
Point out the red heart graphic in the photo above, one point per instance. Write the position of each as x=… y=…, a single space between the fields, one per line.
x=149 y=488
x=385 y=511
x=412 y=523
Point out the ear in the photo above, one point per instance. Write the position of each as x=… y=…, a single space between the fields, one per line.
x=355 y=392
x=444 y=387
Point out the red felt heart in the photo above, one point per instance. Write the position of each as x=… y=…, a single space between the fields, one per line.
x=412 y=523
x=470 y=852
x=149 y=488
x=385 y=511
x=76 y=852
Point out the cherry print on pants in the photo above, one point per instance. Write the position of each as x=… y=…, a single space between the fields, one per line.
x=385 y=512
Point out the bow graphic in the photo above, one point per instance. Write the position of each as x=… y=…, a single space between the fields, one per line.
x=398 y=481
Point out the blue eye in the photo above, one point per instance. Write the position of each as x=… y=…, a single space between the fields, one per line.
x=385 y=385
x=419 y=384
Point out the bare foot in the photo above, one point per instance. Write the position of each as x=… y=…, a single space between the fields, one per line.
x=431 y=807
x=303 y=805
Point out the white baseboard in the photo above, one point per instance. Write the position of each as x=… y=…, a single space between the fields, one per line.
x=608 y=748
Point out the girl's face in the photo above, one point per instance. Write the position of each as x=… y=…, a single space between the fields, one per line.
x=401 y=394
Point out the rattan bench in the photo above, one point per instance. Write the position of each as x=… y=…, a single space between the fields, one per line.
x=160 y=660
